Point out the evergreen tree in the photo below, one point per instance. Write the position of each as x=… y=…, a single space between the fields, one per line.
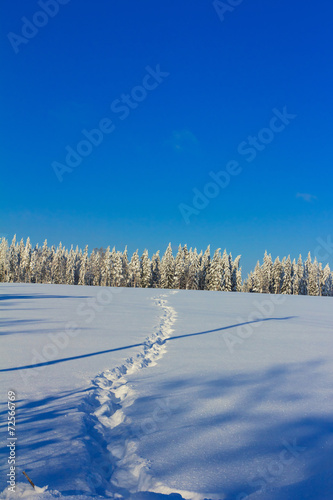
x=4 y=261
x=226 y=265
x=267 y=274
x=286 y=287
x=35 y=265
x=215 y=272
x=106 y=268
x=70 y=267
x=135 y=271
x=118 y=267
x=327 y=285
x=83 y=267
x=25 y=262
x=13 y=261
x=58 y=266
x=204 y=270
x=236 y=275
x=167 y=268
x=146 y=271
x=314 y=279
x=125 y=269
x=256 y=279
x=156 y=272
x=20 y=271
x=179 y=273
x=193 y=270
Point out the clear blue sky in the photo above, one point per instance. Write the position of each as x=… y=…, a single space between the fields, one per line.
x=225 y=78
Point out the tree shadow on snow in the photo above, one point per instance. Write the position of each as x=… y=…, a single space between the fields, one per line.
x=98 y=353
x=273 y=433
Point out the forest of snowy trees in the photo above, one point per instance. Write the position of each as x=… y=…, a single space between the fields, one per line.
x=189 y=270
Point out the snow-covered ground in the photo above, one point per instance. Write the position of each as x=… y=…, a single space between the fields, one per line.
x=146 y=393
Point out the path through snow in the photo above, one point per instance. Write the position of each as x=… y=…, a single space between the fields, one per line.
x=117 y=468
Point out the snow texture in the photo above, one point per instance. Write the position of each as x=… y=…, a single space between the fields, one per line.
x=152 y=394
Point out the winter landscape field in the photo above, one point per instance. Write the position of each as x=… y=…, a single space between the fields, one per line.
x=150 y=393
x=166 y=250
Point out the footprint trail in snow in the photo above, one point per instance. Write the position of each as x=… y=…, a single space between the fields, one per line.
x=116 y=469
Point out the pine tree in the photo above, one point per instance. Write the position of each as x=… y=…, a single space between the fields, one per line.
x=25 y=261
x=267 y=274
x=20 y=271
x=226 y=264
x=146 y=271
x=125 y=269
x=327 y=285
x=167 y=268
x=215 y=272
x=135 y=271
x=83 y=267
x=314 y=279
x=193 y=270
x=4 y=261
x=306 y=274
x=13 y=260
x=117 y=270
x=70 y=267
x=35 y=265
x=298 y=270
x=58 y=266
x=179 y=273
x=106 y=268
x=256 y=279
x=286 y=287
x=156 y=272
x=45 y=267
x=204 y=270
x=236 y=275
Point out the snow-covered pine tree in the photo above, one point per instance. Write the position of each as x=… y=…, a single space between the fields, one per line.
x=215 y=272
x=267 y=274
x=83 y=267
x=95 y=267
x=306 y=274
x=146 y=271
x=193 y=270
x=25 y=262
x=314 y=279
x=156 y=272
x=248 y=284
x=294 y=278
x=58 y=266
x=20 y=271
x=106 y=268
x=226 y=264
x=117 y=270
x=135 y=271
x=35 y=265
x=70 y=267
x=13 y=261
x=327 y=285
x=286 y=287
x=298 y=271
x=236 y=275
x=167 y=268
x=179 y=273
x=302 y=290
x=45 y=265
x=125 y=269
x=204 y=269
x=256 y=279
x=4 y=261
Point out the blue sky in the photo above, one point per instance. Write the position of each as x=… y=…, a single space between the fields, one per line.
x=222 y=80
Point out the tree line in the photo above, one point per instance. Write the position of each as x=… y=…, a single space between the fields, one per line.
x=188 y=269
